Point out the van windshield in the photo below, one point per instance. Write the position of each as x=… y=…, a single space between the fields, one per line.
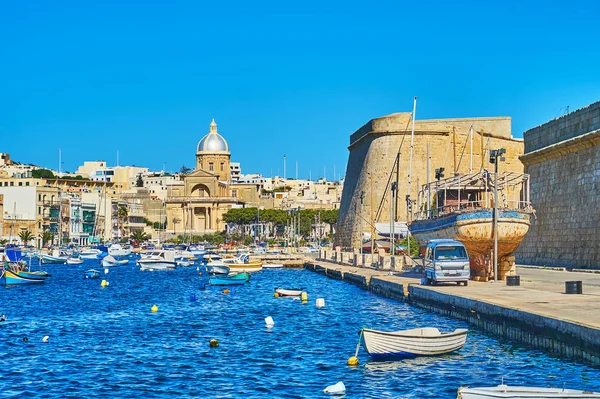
x=450 y=253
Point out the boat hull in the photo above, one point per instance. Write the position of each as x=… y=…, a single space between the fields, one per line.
x=226 y=281
x=245 y=267
x=288 y=292
x=411 y=343
x=48 y=259
x=504 y=391
x=150 y=264
x=12 y=278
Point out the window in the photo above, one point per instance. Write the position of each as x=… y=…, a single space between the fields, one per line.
x=26 y=183
x=39 y=210
x=211 y=167
x=12 y=183
x=20 y=184
x=234 y=193
x=39 y=197
x=450 y=253
x=222 y=166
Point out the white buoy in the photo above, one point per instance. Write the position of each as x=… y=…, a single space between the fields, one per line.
x=337 y=388
x=320 y=302
x=105 y=271
x=45 y=339
x=269 y=321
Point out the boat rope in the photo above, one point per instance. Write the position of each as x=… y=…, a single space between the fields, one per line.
x=358 y=344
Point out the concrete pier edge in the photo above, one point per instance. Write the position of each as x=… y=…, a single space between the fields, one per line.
x=558 y=337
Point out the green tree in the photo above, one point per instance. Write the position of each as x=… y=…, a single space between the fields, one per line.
x=3 y=241
x=42 y=173
x=26 y=236
x=139 y=236
x=139 y=182
x=47 y=236
x=184 y=170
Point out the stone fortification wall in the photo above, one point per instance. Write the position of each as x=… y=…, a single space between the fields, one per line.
x=566 y=127
x=373 y=150
x=565 y=191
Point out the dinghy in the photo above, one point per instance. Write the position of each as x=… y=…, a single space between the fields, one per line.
x=505 y=391
x=272 y=266
x=74 y=261
x=217 y=267
x=289 y=292
x=92 y=273
x=428 y=341
x=226 y=281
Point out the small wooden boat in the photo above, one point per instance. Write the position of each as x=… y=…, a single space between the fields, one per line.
x=426 y=341
x=272 y=266
x=289 y=291
x=74 y=261
x=241 y=263
x=239 y=276
x=505 y=391
x=226 y=281
x=92 y=273
x=20 y=277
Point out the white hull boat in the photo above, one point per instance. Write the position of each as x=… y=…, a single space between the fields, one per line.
x=90 y=254
x=109 y=261
x=428 y=341
x=505 y=391
x=289 y=292
x=217 y=267
x=118 y=250
x=272 y=266
x=156 y=264
x=53 y=259
x=74 y=261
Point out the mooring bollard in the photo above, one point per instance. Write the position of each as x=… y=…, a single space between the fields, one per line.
x=513 y=280
x=573 y=287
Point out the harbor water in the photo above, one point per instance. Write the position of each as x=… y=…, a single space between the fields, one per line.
x=106 y=342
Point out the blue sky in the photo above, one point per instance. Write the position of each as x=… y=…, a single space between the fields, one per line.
x=297 y=78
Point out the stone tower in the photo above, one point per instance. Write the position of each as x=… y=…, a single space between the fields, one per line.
x=213 y=154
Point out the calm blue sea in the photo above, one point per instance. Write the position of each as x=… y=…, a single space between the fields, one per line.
x=105 y=342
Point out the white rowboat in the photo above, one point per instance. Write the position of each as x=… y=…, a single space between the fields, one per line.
x=74 y=261
x=505 y=391
x=290 y=292
x=428 y=341
x=272 y=266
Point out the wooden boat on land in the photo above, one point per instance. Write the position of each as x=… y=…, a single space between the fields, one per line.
x=428 y=341
x=514 y=392
x=217 y=280
x=289 y=291
x=463 y=209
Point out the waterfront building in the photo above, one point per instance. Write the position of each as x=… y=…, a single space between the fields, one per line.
x=563 y=158
x=198 y=205
x=458 y=145
x=236 y=171
x=120 y=176
x=157 y=184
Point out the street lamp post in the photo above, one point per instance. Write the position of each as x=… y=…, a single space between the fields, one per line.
x=495 y=158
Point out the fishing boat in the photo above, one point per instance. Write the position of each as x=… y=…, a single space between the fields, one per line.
x=158 y=260
x=426 y=341
x=241 y=263
x=74 y=261
x=514 y=392
x=92 y=274
x=218 y=280
x=210 y=257
x=13 y=269
x=464 y=211
x=55 y=258
x=12 y=278
x=289 y=291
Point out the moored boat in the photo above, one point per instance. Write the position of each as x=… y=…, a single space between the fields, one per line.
x=20 y=277
x=74 y=261
x=92 y=273
x=289 y=291
x=241 y=263
x=90 y=253
x=218 y=280
x=118 y=250
x=55 y=258
x=516 y=392
x=239 y=276
x=217 y=267
x=158 y=260
x=428 y=341
x=272 y=266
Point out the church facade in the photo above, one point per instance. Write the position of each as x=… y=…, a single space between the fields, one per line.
x=197 y=206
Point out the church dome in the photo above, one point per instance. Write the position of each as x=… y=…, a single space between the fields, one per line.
x=213 y=141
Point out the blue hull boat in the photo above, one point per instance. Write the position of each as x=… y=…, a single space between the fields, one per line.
x=12 y=278
x=226 y=281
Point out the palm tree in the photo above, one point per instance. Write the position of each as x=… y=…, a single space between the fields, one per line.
x=26 y=236
x=123 y=215
x=47 y=236
x=139 y=236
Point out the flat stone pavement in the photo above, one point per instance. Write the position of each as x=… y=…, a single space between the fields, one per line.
x=541 y=292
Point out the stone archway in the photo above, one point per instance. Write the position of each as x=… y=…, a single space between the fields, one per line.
x=200 y=190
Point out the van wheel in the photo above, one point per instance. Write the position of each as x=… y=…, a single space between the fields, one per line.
x=458 y=283
x=466 y=283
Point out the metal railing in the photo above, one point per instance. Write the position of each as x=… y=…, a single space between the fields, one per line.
x=472 y=205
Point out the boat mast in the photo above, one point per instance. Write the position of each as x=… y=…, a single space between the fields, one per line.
x=428 y=215
x=471 y=149
x=408 y=200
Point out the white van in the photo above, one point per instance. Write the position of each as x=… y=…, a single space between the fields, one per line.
x=446 y=260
